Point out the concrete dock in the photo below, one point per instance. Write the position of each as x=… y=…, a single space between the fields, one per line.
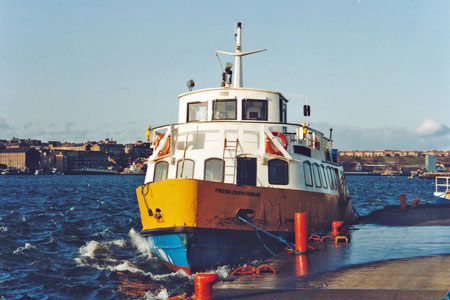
x=382 y=261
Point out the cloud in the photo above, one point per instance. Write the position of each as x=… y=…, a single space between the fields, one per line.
x=430 y=127
x=357 y=138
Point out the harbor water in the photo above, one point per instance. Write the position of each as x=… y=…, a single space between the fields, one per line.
x=66 y=237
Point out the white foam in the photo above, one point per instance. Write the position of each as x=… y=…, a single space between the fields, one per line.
x=125 y=266
x=26 y=247
x=94 y=254
x=91 y=247
x=4 y=229
x=223 y=272
x=104 y=232
x=163 y=277
x=162 y=295
x=119 y=243
x=140 y=243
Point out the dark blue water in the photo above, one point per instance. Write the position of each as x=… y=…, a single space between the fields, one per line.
x=66 y=237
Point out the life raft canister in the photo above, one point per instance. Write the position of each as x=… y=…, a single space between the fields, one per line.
x=166 y=149
x=284 y=143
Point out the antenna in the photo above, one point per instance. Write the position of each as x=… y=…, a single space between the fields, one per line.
x=238 y=80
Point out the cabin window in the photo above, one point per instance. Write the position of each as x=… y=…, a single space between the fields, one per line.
x=185 y=169
x=308 y=173
x=197 y=111
x=161 y=169
x=302 y=150
x=283 y=118
x=214 y=169
x=336 y=177
x=254 y=110
x=324 y=176
x=330 y=178
x=224 y=110
x=317 y=178
x=278 y=172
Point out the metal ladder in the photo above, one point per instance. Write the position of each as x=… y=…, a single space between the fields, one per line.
x=229 y=158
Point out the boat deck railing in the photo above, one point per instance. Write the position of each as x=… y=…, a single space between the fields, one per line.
x=442 y=184
x=294 y=133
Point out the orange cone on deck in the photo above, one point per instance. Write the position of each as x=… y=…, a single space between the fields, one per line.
x=203 y=285
x=301 y=232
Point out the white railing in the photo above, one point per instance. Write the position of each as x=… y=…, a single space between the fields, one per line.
x=442 y=185
x=294 y=133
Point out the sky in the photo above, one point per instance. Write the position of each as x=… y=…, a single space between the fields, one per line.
x=377 y=72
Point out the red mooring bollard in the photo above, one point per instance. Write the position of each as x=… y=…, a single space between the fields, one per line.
x=203 y=285
x=302 y=264
x=415 y=203
x=301 y=232
x=403 y=202
x=335 y=225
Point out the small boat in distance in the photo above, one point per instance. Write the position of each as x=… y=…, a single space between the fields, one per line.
x=442 y=189
x=233 y=160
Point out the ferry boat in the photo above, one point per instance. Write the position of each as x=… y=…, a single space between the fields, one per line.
x=232 y=156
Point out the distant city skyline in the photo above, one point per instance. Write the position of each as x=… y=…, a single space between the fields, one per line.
x=378 y=72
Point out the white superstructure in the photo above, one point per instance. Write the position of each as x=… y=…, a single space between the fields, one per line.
x=241 y=136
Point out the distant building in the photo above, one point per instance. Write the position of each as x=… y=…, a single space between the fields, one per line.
x=138 y=150
x=70 y=147
x=430 y=163
x=108 y=146
x=77 y=160
x=20 y=158
x=352 y=166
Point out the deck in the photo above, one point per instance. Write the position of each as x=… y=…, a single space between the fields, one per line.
x=382 y=261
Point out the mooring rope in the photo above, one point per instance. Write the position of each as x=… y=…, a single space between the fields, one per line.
x=150 y=213
x=264 y=244
x=278 y=238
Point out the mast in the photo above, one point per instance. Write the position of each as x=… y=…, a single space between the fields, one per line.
x=238 y=78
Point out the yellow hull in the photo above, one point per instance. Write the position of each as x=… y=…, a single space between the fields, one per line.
x=203 y=204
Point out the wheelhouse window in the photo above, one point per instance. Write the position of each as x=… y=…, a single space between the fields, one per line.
x=324 y=176
x=224 y=110
x=185 y=169
x=308 y=173
x=278 y=172
x=254 y=110
x=317 y=178
x=197 y=111
x=161 y=170
x=214 y=169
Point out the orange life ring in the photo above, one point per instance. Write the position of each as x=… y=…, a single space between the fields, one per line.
x=166 y=149
x=284 y=143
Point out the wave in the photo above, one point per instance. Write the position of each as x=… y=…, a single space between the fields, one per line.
x=140 y=243
x=27 y=246
x=4 y=229
x=161 y=295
